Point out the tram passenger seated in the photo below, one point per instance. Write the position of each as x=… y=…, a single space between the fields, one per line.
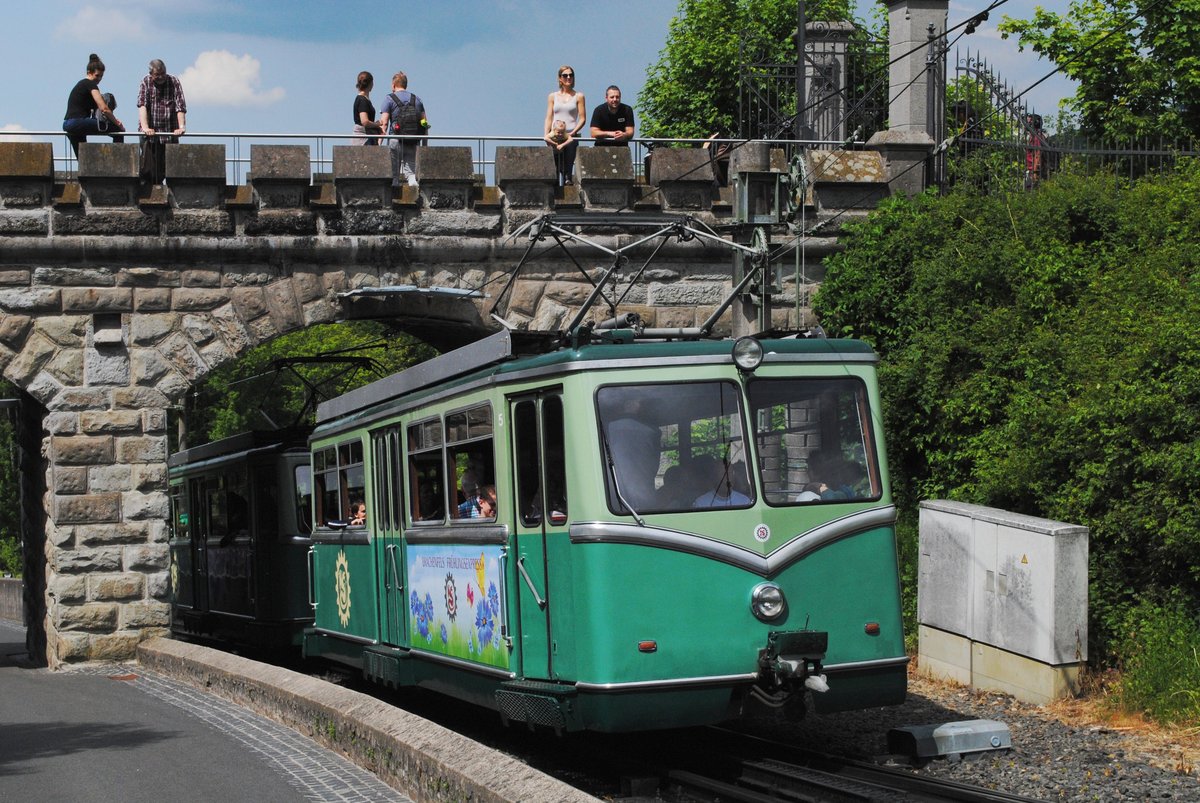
x=812 y=492
x=713 y=474
x=480 y=506
x=677 y=491
x=429 y=507
x=840 y=476
x=635 y=444
x=358 y=513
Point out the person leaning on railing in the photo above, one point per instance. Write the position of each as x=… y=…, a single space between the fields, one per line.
x=162 y=114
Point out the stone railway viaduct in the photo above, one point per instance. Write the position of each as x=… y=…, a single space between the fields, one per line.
x=115 y=300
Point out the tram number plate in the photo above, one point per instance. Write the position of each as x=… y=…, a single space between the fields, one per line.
x=798 y=643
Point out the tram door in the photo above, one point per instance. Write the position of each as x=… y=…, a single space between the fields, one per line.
x=201 y=526
x=387 y=512
x=541 y=508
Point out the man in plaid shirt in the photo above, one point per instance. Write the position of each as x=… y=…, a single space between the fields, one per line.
x=162 y=110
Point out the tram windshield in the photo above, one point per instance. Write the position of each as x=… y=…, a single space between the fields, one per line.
x=814 y=440
x=674 y=447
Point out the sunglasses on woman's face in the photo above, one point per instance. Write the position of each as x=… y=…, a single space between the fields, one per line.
x=567 y=74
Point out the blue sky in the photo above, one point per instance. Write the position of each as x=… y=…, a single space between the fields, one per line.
x=269 y=66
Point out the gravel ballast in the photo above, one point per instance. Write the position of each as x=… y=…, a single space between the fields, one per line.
x=1049 y=760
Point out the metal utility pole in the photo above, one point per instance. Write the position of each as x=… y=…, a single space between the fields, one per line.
x=801 y=125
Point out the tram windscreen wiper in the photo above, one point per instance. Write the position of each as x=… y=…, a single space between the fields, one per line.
x=612 y=470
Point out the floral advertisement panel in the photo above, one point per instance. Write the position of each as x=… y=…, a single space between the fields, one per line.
x=455 y=604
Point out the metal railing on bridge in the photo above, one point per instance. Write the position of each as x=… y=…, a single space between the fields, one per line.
x=483 y=148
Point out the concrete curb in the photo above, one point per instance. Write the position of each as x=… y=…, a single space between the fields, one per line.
x=413 y=755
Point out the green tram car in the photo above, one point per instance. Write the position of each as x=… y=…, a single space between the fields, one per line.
x=614 y=535
x=241 y=512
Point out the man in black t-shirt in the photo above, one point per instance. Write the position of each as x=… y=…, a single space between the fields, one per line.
x=612 y=121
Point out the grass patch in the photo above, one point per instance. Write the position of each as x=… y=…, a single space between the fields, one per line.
x=1160 y=663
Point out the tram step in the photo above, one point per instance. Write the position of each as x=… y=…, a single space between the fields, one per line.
x=537 y=703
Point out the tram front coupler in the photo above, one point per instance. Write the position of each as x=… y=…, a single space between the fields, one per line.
x=792 y=660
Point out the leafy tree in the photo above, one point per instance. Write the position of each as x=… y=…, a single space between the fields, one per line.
x=692 y=91
x=1038 y=355
x=269 y=388
x=1137 y=63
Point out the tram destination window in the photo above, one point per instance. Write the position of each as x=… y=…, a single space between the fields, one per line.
x=340 y=481
x=674 y=447
x=815 y=440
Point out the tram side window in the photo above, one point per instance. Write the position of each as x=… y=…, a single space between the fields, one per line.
x=180 y=524
x=340 y=481
x=815 y=440
x=265 y=507
x=229 y=505
x=427 y=486
x=674 y=447
x=304 y=497
x=470 y=463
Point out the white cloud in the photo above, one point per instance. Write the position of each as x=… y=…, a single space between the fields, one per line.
x=102 y=25
x=220 y=78
x=7 y=135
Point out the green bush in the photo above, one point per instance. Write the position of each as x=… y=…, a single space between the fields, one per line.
x=10 y=557
x=1159 y=661
x=1038 y=354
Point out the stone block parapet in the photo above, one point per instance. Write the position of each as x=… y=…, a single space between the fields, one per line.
x=280 y=175
x=685 y=178
x=196 y=175
x=605 y=177
x=526 y=175
x=108 y=173
x=362 y=176
x=445 y=175
x=26 y=174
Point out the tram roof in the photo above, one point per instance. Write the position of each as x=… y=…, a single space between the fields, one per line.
x=240 y=445
x=508 y=351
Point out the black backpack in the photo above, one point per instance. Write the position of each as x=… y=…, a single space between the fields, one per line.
x=407 y=118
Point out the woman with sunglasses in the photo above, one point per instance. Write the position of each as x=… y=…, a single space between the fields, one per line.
x=569 y=106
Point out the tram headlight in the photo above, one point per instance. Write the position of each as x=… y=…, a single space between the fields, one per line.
x=747 y=353
x=767 y=602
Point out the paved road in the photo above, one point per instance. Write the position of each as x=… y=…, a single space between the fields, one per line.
x=117 y=732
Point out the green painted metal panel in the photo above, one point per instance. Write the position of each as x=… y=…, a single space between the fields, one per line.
x=344 y=589
x=697 y=611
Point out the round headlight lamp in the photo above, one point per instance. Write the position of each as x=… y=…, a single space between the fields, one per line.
x=747 y=353
x=767 y=602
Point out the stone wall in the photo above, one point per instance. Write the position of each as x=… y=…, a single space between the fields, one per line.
x=116 y=297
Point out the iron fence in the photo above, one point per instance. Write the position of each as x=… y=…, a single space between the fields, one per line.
x=836 y=91
x=1011 y=165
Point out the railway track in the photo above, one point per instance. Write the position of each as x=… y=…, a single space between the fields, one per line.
x=740 y=767
x=852 y=782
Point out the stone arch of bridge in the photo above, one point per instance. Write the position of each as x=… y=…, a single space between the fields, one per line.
x=98 y=374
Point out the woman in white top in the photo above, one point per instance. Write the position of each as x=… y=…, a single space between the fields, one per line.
x=569 y=106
